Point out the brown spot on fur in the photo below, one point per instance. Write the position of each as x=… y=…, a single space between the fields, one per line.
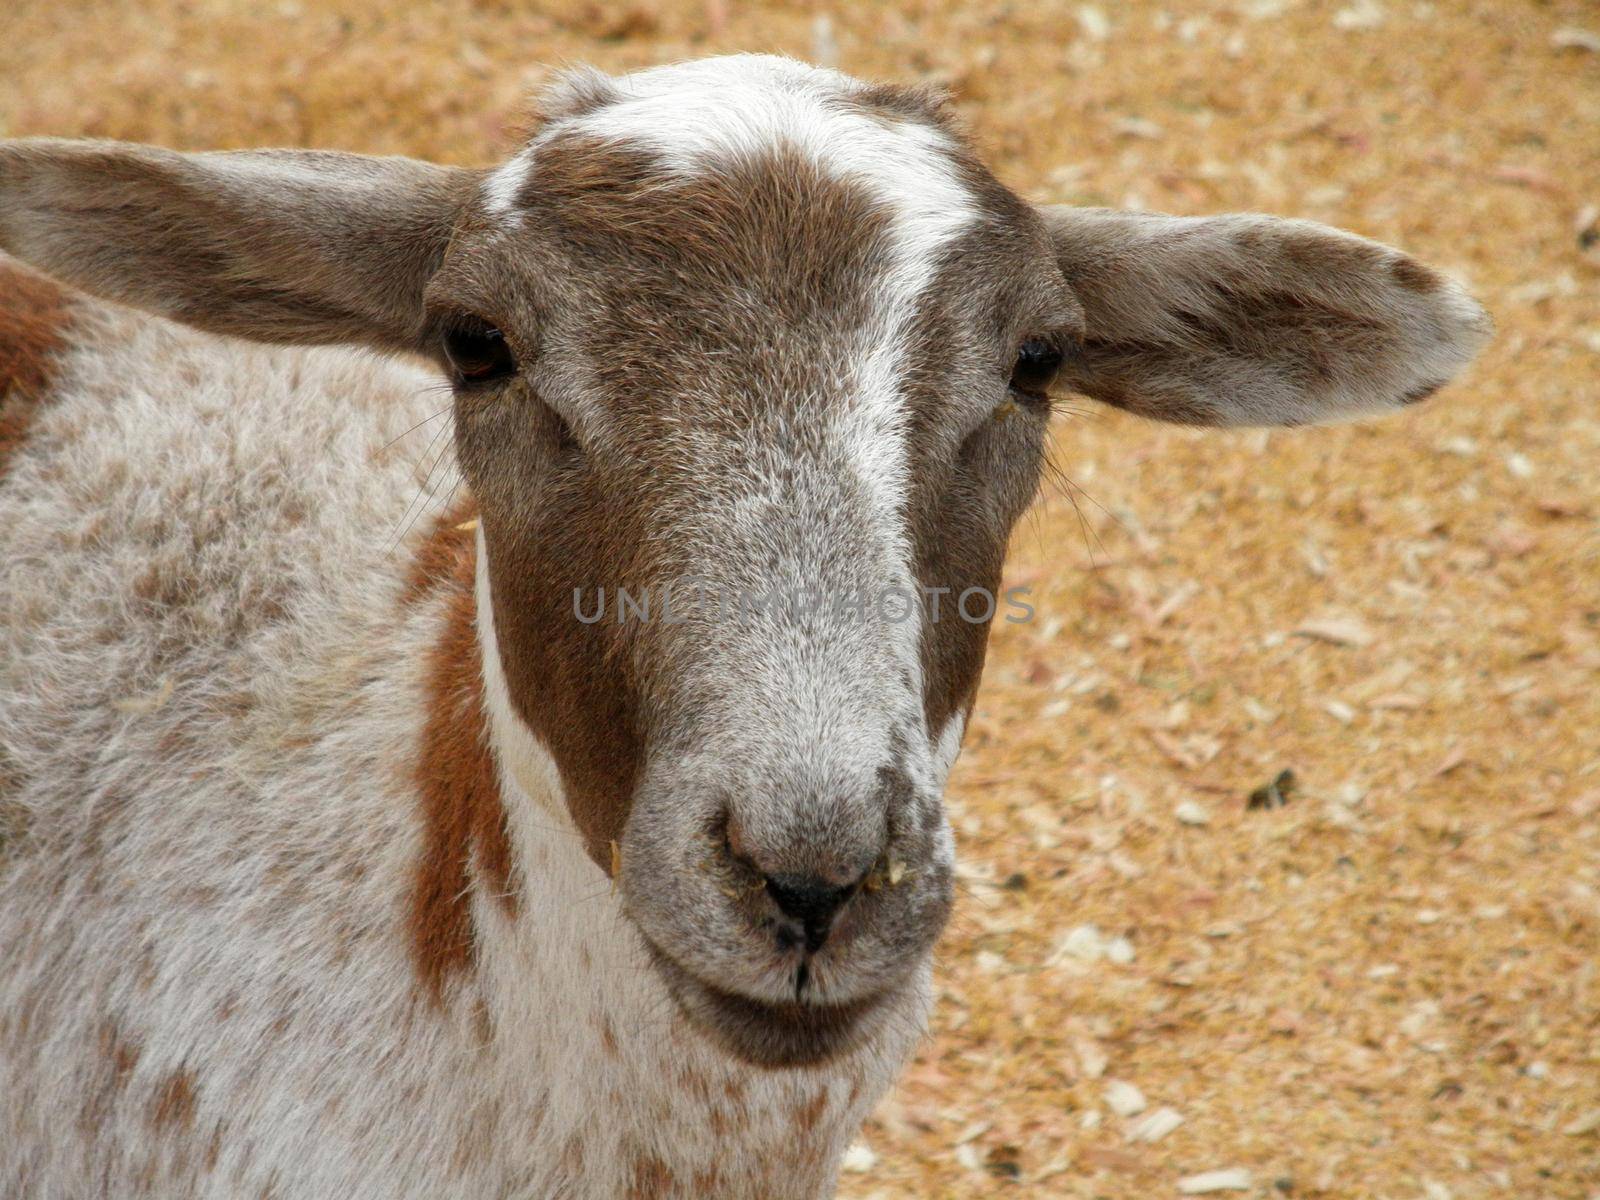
x=99 y=1098
x=462 y=811
x=695 y=1084
x=213 y=1150
x=34 y=315
x=173 y=1104
x=482 y=1022
x=572 y=1155
x=124 y=1054
x=652 y=1179
x=608 y=1038
x=476 y=1140
x=811 y=1112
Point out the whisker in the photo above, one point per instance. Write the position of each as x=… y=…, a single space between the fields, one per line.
x=412 y=430
x=420 y=502
x=1071 y=491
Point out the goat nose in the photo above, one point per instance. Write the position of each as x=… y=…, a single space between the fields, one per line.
x=810 y=900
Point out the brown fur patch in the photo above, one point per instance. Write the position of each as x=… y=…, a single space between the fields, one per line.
x=1409 y=273
x=652 y=1179
x=608 y=1038
x=34 y=315
x=438 y=560
x=123 y=1053
x=213 y=1150
x=173 y=1105
x=462 y=811
x=811 y=1112
x=572 y=1155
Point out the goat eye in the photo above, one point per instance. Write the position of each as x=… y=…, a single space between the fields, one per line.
x=477 y=352
x=1035 y=368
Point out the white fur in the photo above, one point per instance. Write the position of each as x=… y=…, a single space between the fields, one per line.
x=505 y=183
x=948 y=748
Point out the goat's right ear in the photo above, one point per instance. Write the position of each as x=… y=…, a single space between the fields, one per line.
x=276 y=245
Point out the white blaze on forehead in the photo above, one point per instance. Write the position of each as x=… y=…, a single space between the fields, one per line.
x=694 y=116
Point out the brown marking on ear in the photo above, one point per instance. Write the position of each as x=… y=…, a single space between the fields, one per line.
x=925 y=105
x=173 y=1104
x=457 y=781
x=307 y=246
x=34 y=315
x=1120 y=375
x=1409 y=273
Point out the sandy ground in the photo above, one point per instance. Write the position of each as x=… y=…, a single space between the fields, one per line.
x=1389 y=987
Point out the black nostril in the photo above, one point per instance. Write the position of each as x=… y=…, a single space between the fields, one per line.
x=811 y=901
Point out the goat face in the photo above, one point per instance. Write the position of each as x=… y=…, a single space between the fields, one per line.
x=747 y=466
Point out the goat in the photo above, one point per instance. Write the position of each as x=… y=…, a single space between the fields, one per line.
x=337 y=868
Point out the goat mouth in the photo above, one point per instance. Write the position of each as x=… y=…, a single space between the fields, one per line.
x=763 y=1033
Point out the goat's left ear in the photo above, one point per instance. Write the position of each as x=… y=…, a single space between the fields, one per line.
x=277 y=245
x=1252 y=320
